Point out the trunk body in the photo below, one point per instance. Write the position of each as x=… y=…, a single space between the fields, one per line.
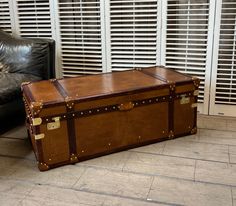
x=74 y=119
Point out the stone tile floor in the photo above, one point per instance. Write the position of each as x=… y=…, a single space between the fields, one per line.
x=193 y=170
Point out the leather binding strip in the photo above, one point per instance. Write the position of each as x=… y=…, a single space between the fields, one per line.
x=171 y=101
x=153 y=75
x=70 y=121
x=36 y=129
x=112 y=108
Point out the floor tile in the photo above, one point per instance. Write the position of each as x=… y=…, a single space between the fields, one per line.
x=234 y=196
x=215 y=123
x=10 y=199
x=7 y=166
x=16 y=148
x=182 y=192
x=63 y=176
x=115 y=183
x=8 y=186
x=217 y=137
x=112 y=161
x=116 y=201
x=66 y=195
x=19 y=132
x=215 y=172
x=47 y=202
x=232 y=154
x=197 y=150
x=156 y=148
x=160 y=165
x=231 y=124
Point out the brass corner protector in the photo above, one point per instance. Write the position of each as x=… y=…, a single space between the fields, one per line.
x=36 y=107
x=172 y=86
x=43 y=166
x=171 y=134
x=193 y=130
x=196 y=82
x=53 y=80
x=73 y=158
x=69 y=102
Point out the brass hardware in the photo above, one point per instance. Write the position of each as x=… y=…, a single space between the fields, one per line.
x=184 y=99
x=73 y=158
x=196 y=82
x=39 y=136
x=36 y=107
x=194 y=105
x=172 y=86
x=171 y=134
x=54 y=125
x=196 y=93
x=36 y=121
x=69 y=102
x=126 y=106
x=193 y=130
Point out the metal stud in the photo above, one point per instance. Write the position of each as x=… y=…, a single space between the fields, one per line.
x=90 y=111
x=46 y=120
x=98 y=110
x=114 y=107
x=82 y=151
x=106 y=108
x=73 y=115
x=81 y=113
x=143 y=102
x=150 y=100
x=109 y=144
x=64 y=116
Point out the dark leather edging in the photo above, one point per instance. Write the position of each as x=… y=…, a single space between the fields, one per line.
x=70 y=121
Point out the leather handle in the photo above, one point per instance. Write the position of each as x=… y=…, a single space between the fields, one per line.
x=126 y=106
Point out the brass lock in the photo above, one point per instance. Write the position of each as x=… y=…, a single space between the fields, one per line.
x=54 y=125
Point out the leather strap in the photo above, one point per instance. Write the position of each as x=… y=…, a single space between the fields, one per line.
x=70 y=121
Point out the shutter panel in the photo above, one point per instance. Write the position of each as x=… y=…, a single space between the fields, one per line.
x=134 y=34
x=34 y=18
x=80 y=37
x=224 y=68
x=5 y=19
x=188 y=43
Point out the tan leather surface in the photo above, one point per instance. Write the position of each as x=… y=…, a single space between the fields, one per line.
x=110 y=83
x=167 y=74
x=99 y=133
x=183 y=117
x=55 y=144
x=121 y=99
x=44 y=91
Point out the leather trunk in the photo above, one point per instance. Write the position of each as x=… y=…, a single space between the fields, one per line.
x=74 y=119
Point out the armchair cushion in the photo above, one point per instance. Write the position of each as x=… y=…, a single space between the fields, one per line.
x=25 y=56
x=10 y=84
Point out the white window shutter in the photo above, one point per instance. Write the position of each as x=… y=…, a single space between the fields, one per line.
x=223 y=95
x=5 y=17
x=80 y=37
x=188 y=41
x=134 y=34
x=33 y=18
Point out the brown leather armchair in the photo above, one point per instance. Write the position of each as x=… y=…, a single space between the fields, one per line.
x=21 y=60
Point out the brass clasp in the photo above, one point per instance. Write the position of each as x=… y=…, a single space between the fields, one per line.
x=54 y=125
x=126 y=106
